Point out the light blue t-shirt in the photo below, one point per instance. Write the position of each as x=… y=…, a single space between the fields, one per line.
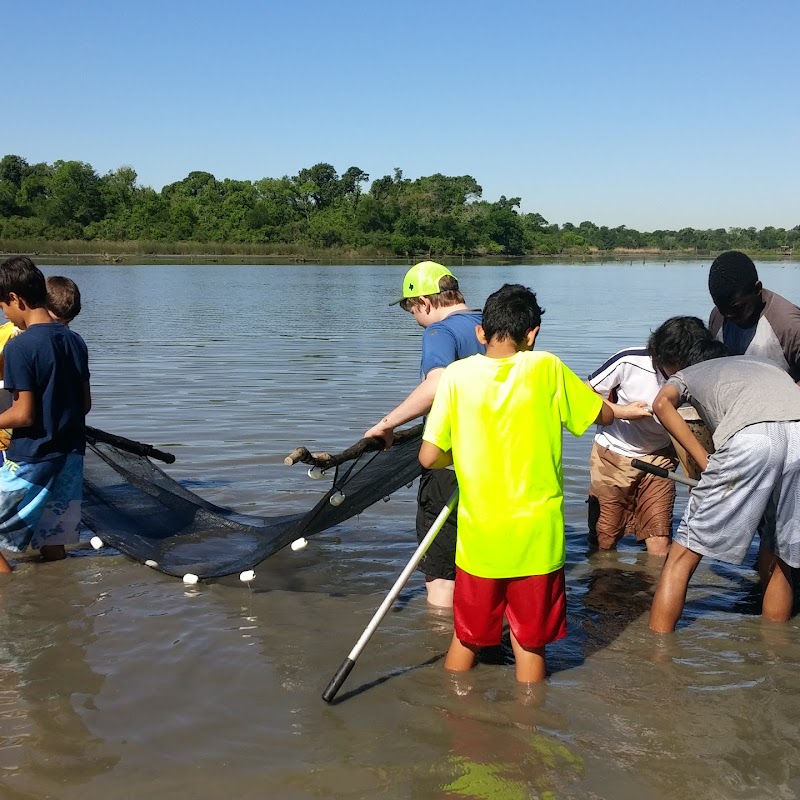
x=450 y=340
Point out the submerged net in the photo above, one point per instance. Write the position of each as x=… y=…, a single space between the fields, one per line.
x=137 y=508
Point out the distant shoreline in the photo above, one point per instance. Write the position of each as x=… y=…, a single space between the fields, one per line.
x=57 y=252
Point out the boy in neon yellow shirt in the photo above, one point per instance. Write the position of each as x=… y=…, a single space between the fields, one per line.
x=7 y=332
x=498 y=419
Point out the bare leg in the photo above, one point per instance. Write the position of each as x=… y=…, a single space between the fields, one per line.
x=765 y=564
x=778 y=594
x=670 y=596
x=52 y=552
x=460 y=656
x=5 y=567
x=531 y=667
x=657 y=546
x=440 y=592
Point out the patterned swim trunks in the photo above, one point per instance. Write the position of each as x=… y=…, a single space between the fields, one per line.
x=40 y=502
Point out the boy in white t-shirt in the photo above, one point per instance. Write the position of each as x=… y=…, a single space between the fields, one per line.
x=623 y=499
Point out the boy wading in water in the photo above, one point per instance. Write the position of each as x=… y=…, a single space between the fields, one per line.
x=753 y=409
x=47 y=373
x=623 y=499
x=431 y=295
x=498 y=419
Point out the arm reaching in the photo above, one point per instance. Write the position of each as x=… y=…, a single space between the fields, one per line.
x=606 y=414
x=417 y=404
x=433 y=457
x=632 y=411
x=665 y=407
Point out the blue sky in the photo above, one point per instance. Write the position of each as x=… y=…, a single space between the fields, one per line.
x=680 y=113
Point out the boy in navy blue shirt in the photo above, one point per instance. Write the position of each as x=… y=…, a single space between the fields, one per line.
x=47 y=373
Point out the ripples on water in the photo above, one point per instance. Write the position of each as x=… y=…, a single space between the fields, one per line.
x=116 y=681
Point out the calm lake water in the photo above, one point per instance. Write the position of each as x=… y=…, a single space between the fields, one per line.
x=119 y=682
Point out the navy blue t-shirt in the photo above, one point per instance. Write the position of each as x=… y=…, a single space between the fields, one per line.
x=450 y=340
x=51 y=361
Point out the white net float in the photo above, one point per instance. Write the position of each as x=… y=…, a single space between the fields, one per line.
x=299 y=544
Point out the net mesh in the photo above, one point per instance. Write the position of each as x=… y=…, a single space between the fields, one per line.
x=134 y=506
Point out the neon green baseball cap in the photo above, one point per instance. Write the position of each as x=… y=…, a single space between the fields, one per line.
x=422 y=279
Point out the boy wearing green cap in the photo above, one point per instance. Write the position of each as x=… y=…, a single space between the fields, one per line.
x=432 y=296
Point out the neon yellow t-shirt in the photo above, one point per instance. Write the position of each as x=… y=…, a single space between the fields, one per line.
x=502 y=418
x=7 y=331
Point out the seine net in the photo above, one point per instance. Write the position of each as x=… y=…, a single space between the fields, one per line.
x=134 y=506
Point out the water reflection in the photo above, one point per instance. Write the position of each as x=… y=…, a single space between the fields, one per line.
x=48 y=688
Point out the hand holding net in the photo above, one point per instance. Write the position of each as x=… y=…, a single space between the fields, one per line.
x=355 y=451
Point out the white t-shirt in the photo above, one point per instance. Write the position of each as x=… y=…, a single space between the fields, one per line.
x=631 y=377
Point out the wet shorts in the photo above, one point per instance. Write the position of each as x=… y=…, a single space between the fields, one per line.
x=629 y=500
x=753 y=478
x=435 y=488
x=535 y=607
x=40 y=502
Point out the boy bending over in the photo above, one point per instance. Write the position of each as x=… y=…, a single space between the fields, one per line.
x=47 y=373
x=753 y=409
x=623 y=499
x=498 y=419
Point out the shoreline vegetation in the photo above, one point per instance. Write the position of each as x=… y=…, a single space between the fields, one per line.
x=66 y=210
x=94 y=252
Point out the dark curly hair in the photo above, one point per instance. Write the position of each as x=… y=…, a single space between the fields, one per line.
x=511 y=312
x=671 y=344
x=731 y=274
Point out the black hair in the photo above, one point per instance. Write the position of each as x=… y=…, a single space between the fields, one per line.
x=672 y=342
x=511 y=312
x=21 y=276
x=705 y=350
x=731 y=274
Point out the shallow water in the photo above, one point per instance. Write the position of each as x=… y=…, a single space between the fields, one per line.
x=116 y=681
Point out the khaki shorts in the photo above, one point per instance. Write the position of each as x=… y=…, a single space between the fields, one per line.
x=628 y=500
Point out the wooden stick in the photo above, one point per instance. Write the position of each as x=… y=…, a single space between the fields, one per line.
x=328 y=460
x=129 y=445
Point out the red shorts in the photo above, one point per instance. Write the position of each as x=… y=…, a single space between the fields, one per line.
x=535 y=607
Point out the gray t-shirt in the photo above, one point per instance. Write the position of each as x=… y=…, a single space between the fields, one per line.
x=734 y=392
x=774 y=336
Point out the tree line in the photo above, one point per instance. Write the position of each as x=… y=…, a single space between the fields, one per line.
x=317 y=207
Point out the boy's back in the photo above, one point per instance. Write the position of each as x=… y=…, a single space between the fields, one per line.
x=734 y=392
x=50 y=361
x=502 y=418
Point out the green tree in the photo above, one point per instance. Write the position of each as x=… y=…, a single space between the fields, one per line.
x=73 y=199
